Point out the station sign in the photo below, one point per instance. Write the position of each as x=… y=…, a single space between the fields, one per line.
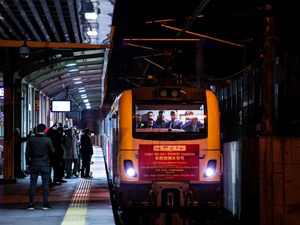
x=169 y=162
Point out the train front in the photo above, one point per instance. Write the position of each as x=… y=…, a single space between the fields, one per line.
x=169 y=148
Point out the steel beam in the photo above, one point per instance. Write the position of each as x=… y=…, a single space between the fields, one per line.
x=5 y=22
x=35 y=44
x=50 y=20
x=38 y=19
x=62 y=20
x=12 y=15
x=73 y=19
x=26 y=19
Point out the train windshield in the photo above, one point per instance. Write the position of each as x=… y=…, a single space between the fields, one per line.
x=163 y=118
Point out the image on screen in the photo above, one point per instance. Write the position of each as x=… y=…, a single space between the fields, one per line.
x=169 y=118
x=60 y=106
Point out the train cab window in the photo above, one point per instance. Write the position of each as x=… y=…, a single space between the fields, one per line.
x=162 y=121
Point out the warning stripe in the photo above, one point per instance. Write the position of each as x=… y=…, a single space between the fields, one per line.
x=77 y=210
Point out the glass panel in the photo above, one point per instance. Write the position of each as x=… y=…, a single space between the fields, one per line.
x=169 y=118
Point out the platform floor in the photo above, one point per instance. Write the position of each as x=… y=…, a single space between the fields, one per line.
x=79 y=201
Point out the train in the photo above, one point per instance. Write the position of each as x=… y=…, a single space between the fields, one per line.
x=162 y=147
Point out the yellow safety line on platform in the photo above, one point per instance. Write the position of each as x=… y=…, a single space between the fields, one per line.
x=76 y=213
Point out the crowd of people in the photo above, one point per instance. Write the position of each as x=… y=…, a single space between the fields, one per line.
x=65 y=151
x=69 y=159
x=191 y=123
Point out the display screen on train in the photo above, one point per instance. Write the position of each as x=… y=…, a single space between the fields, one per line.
x=169 y=118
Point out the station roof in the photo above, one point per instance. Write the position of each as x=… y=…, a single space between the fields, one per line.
x=150 y=39
x=69 y=43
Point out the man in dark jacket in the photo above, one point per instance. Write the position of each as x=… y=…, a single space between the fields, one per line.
x=86 y=151
x=38 y=152
x=174 y=123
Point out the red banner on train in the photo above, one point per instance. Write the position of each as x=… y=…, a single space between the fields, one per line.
x=169 y=162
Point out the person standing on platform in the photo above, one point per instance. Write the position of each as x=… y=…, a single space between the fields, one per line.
x=17 y=153
x=76 y=171
x=57 y=141
x=38 y=151
x=86 y=151
x=70 y=153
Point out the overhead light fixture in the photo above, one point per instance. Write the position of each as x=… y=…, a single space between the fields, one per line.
x=92 y=33
x=85 y=100
x=74 y=70
x=71 y=63
x=88 y=107
x=81 y=91
x=78 y=82
x=81 y=88
x=91 y=16
x=78 y=78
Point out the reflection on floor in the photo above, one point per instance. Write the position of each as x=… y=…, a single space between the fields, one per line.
x=14 y=199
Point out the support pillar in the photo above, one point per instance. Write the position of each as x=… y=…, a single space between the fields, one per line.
x=8 y=152
x=269 y=58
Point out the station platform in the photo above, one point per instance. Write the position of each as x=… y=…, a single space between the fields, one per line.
x=79 y=201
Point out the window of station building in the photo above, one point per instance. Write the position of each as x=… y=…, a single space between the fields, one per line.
x=185 y=118
x=1 y=92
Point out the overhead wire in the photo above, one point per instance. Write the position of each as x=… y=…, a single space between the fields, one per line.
x=233 y=75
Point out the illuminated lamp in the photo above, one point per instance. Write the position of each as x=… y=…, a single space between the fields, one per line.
x=91 y=16
x=210 y=168
x=71 y=63
x=129 y=169
x=92 y=33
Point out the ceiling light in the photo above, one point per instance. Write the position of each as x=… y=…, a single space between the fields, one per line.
x=88 y=107
x=78 y=82
x=92 y=33
x=71 y=63
x=91 y=16
x=73 y=70
x=85 y=100
x=82 y=91
x=81 y=88
x=78 y=78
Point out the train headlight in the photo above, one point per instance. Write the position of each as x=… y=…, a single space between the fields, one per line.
x=209 y=172
x=210 y=168
x=129 y=168
x=169 y=93
x=130 y=172
x=163 y=93
x=175 y=93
